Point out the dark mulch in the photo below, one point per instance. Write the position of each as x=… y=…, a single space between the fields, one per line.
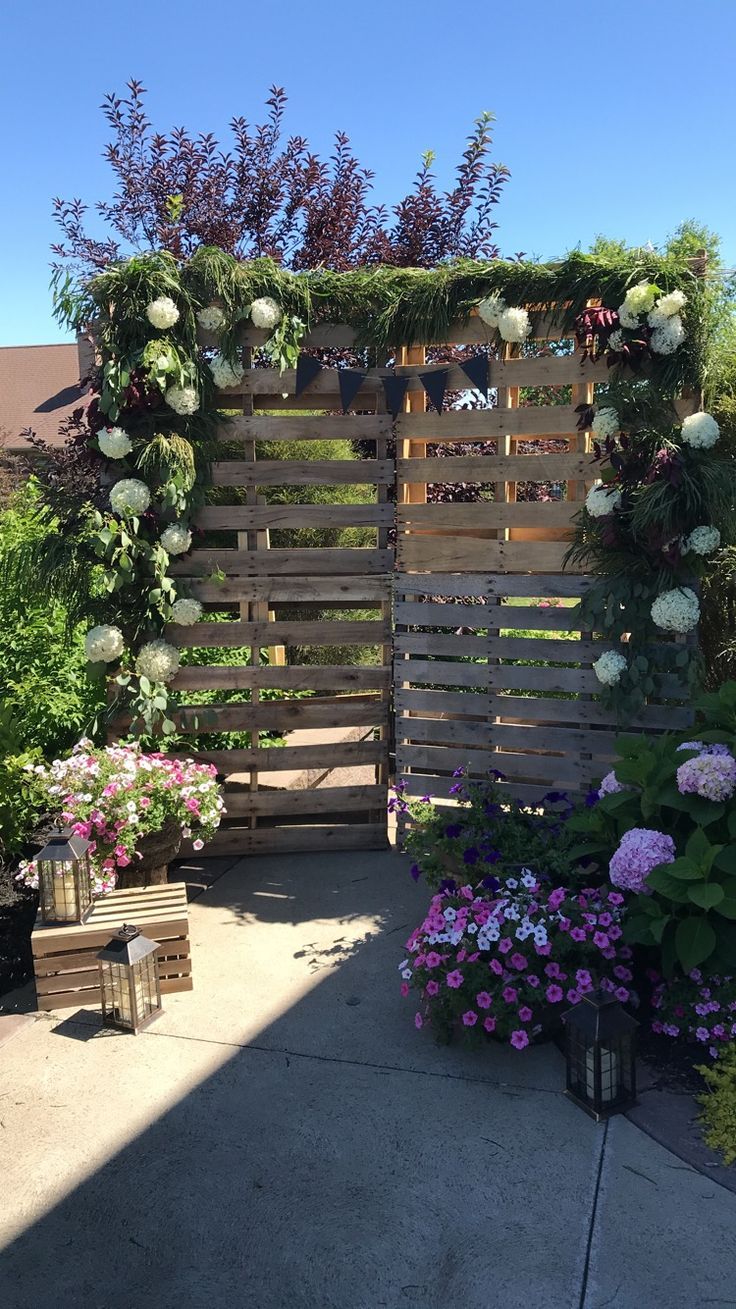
x=17 y=915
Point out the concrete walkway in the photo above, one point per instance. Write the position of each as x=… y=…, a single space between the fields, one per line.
x=283 y=1138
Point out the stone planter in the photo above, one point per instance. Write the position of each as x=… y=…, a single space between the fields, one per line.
x=158 y=850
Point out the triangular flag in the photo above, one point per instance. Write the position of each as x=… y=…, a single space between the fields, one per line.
x=395 y=389
x=435 y=384
x=350 y=381
x=476 y=371
x=307 y=369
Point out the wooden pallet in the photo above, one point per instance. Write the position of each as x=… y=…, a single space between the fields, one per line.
x=64 y=958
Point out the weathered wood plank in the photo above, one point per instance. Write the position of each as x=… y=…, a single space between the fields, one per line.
x=436 y=643
x=318 y=800
x=535 y=710
x=237 y=634
x=498 y=468
x=311 y=427
x=334 y=754
x=303 y=472
x=294 y=840
x=313 y=677
x=549 y=768
x=488 y=424
x=324 y=561
x=486 y=515
x=425 y=613
x=427 y=553
x=512 y=736
x=280 y=715
x=438 y=671
x=254 y=518
x=302 y=590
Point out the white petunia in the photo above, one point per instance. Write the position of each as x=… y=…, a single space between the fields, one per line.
x=211 y=319
x=162 y=313
x=186 y=612
x=702 y=541
x=676 y=611
x=602 y=500
x=176 y=539
x=265 y=313
x=514 y=324
x=224 y=373
x=158 y=661
x=490 y=309
x=103 y=644
x=666 y=338
x=114 y=443
x=130 y=497
x=605 y=423
x=609 y=667
x=701 y=431
x=182 y=399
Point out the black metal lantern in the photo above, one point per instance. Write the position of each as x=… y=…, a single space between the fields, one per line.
x=601 y=1055
x=64 y=879
x=130 y=989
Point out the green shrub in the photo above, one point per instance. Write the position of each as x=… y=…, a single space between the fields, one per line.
x=719 y=1105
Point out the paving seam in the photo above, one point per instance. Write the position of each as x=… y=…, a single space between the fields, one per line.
x=593 y=1216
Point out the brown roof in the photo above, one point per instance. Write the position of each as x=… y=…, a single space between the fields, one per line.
x=39 y=386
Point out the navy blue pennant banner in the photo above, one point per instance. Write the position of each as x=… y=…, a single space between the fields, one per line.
x=350 y=381
x=476 y=371
x=435 y=384
x=395 y=389
x=307 y=369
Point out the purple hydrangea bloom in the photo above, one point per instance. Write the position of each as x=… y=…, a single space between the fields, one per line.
x=711 y=775
x=640 y=850
x=611 y=785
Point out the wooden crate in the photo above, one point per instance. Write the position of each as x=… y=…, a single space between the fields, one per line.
x=64 y=958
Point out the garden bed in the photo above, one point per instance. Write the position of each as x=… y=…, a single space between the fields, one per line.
x=17 y=915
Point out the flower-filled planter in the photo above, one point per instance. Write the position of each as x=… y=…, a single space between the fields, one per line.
x=134 y=808
x=506 y=965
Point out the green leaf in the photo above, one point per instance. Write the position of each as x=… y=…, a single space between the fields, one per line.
x=706 y=894
x=698 y=846
x=732 y=825
x=725 y=860
x=657 y=926
x=674 y=889
x=683 y=869
x=695 y=940
x=145 y=685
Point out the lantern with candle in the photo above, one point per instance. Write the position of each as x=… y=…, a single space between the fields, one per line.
x=64 y=879
x=601 y=1055
x=130 y=989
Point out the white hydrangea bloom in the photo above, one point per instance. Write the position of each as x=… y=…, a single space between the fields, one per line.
x=514 y=324
x=670 y=304
x=657 y=320
x=676 y=611
x=265 y=313
x=602 y=500
x=639 y=299
x=609 y=667
x=616 y=340
x=103 y=644
x=182 y=399
x=702 y=541
x=605 y=423
x=701 y=431
x=186 y=612
x=176 y=539
x=627 y=318
x=224 y=373
x=130 y=497
x=114 y=443
x=211 y=318
x=668 y=336
x=158 y=661
x=490 y=309
x=162 y=313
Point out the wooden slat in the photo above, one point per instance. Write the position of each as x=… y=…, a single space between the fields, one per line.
x=441 y=584
x=236 y=634
x=260 y=517
x=439 y=644
x=321 y=800
x=335 y=754
x=310 y=427
x=551 y=768
x=536 y=709
x=485 y=515
x=295 y=840
x=461 y=553
x=428 y=671
x=302 y=590
x=425 y=613
x=497 y=468
x=463 y=733
x=279 y=715
x=303 y=472
x=311 y=677
x=488 y=424
x=325 y=560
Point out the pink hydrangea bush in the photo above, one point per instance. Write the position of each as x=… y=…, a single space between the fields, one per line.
x=507 y=964
x=696 y=1008
x=115 y=796
x=640 y=850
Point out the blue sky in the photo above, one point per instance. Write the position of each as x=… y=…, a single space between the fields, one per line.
x=612 y=118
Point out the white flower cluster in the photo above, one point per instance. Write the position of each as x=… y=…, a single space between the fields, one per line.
x=186 y=612
x=513 y=324
x=114 y=443
x=158 y=661
x=490 y=309
x=211 y=318
x=130 y=497
x=162 y=313
x=265 y=313
x=103 y=644
x=602 y=500
x=609 y=667
x=702 y=541
x=176 y=539
x=182 y=399
x=605 y=423
x=701 y=431
x=224 y=373
x=663 y=317
x=676 y=611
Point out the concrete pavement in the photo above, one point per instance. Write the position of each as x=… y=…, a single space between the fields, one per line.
x=283 y=1137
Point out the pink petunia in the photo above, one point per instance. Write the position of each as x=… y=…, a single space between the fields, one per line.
x=554 y=994
x=510 y=994
x=532 y=979
x=496 y=967
x=577 y=934
x=519 y=1039
x=418 y=1021
x=404 y=988
x=470 y=1018
x=432 y=987
x=433 y=959
x=455 y=979
x=483 y=1000
x=505 y=945
x=525 y=1014
x=601 y=940
x=489 y=1024
x=573 y=996
x=518 y=961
